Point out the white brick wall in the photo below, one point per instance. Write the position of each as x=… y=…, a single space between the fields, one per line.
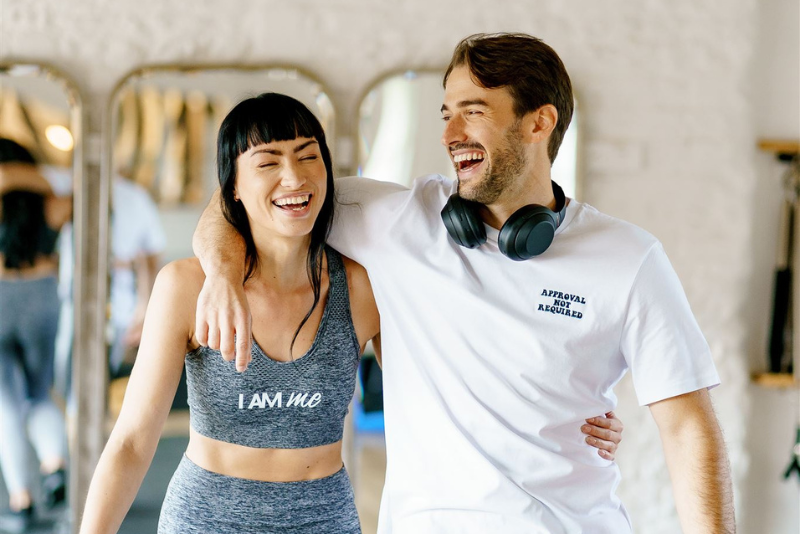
x=666 y=98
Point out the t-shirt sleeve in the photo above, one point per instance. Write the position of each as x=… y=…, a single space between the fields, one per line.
x=60 y=179
x=661 y=341
x=362 y=208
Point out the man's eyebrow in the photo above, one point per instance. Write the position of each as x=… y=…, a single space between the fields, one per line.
x=276 y=152
x=466 y=103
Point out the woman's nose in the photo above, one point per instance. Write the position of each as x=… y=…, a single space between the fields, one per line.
x=292 y=177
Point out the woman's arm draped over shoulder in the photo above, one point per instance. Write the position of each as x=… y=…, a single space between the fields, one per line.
x=148 y=398
x=222 y=310
x=24 y=177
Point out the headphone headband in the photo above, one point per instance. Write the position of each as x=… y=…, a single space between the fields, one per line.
x=527 y=233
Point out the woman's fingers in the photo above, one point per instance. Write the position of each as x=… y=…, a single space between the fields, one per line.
x=604 y=433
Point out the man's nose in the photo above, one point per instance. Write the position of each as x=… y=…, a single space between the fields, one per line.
x=453 y=131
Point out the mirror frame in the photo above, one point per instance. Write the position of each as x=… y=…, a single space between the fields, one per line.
x=81 y=282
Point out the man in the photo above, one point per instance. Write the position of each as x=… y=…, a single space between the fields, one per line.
x=489 y=362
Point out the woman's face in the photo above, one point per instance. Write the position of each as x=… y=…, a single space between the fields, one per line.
x=282 y=185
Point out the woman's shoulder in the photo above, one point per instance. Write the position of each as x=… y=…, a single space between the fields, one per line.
x=356 y=273
x=362 y=302
x=182 y=277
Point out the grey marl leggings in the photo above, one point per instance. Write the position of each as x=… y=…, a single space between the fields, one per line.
x=201 y=501
x=28 y=323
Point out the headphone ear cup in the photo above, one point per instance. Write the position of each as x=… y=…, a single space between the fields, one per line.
x=462 y=223
x=527 y=233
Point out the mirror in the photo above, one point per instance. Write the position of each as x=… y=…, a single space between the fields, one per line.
x=163 y=124
x=40 y=117
x=400 y=114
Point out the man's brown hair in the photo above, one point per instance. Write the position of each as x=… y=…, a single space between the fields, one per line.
x=526 y=66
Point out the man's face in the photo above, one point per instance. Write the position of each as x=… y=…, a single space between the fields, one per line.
x=482 y=136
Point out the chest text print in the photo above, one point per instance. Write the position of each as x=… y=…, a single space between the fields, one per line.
x=264 y=400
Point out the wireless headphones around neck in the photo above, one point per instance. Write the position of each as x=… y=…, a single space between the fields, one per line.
x=527 y=233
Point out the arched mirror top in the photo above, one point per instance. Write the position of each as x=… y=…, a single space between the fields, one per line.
x=40 y=107
x=399 y=132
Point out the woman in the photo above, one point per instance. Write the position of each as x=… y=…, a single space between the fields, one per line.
x=264 y=451
x=29 y=224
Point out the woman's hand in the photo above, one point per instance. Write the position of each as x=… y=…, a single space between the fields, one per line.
x=604 y=433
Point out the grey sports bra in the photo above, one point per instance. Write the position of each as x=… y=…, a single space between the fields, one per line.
x=277 y=404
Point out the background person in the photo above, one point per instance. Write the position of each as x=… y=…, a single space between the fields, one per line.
x=30 y=219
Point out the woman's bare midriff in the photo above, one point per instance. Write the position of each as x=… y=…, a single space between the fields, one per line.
x=43 y=267
x=268 y=465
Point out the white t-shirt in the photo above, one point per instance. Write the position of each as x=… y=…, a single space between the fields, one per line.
x=491 y=365
x=136 y=230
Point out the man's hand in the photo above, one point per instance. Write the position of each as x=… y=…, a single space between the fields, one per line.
x=222 y=313
x=604 y=433
x=222 y=309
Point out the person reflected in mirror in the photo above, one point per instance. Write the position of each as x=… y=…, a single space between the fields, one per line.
x=138 y=242
x=265 y=445
x=508 y=315
x=30 y=219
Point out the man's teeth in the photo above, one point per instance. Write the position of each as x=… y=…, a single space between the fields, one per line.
x=292 y=200
x=467 y=157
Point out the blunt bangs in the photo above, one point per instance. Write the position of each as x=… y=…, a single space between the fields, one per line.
x=267 y=118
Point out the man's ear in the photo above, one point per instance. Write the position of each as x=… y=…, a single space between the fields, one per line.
x=537 y=125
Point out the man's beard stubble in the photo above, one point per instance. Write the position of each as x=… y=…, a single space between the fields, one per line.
x=507 y=163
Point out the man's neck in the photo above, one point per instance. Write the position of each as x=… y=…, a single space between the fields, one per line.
x=534 y=189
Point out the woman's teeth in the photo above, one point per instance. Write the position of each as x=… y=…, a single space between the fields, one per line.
x=293 y=203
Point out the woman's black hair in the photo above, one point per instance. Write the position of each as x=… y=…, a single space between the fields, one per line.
x=13 y=152
x=23 y=221
x=23 y=224
x=262 y=119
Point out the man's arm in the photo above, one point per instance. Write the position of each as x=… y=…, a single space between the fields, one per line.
x=222 y=309
x=698 y=463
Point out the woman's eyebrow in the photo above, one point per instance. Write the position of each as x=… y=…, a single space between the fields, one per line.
x=304 y=145
x=276 y=152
